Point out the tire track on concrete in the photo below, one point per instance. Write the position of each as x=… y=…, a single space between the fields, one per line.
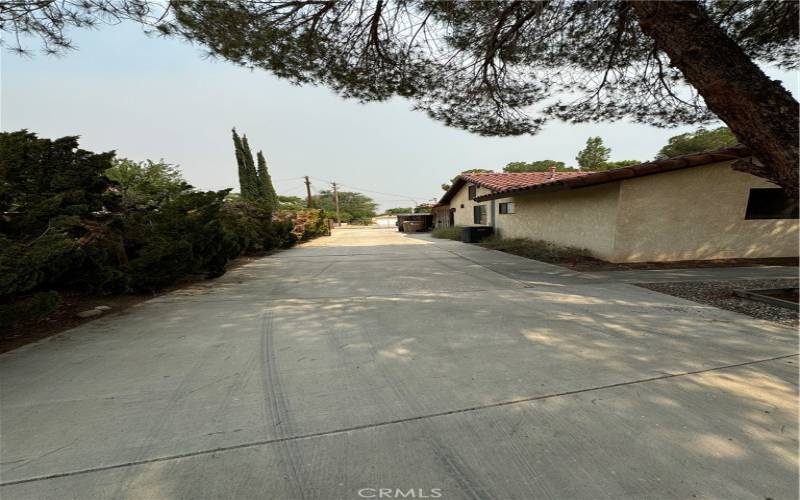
x=398 y=421
x=277 y=412
x=176 y=399
x=241 y=379
x=336 y=346
x=453 y=464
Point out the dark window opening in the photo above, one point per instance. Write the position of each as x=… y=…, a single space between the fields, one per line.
x=507 y=208
x=473 y=191
x=770 y=203
x=479 y=214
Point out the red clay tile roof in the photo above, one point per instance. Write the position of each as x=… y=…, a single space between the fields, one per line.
x=504 y=181
x=508 y=184
x=501 y=181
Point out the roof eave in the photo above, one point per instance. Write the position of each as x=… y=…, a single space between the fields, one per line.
x=621 y=174
x=454 y=188
x=550 y=186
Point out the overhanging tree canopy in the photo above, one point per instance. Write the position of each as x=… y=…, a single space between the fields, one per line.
x=697 y=141
x=506 y=67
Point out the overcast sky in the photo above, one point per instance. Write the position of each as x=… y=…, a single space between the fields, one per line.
x=159 y=98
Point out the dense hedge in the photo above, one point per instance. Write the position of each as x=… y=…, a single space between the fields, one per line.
x=64 y=225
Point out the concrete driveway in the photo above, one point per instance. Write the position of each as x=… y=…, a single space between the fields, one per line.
x=373 y=360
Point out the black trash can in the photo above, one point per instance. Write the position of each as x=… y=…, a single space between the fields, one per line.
x=474 y=234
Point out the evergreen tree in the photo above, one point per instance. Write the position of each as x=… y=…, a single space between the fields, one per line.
x=253 y=190
x=265 y=181
x=594 y=156
x=255 y=182
x=241 y=163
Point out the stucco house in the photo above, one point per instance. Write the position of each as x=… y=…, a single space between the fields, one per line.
x=693 y=207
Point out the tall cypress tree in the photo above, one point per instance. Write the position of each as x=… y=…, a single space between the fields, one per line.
x=253 y=191
x=244 y=188
x=254 y=183
x=265 y=182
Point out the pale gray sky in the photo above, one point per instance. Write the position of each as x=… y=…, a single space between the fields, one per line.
x=159 y=98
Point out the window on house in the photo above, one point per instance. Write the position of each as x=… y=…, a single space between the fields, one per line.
x=473 y=192
x=507 y=208
x=770 y=203
x=479 y=214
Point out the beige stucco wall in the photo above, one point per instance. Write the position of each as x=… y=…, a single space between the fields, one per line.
x=583 y=218
x=463 y=216
x=696 y=213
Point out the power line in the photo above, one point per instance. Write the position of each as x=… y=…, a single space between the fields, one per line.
x=287 y=179
x=412 y=198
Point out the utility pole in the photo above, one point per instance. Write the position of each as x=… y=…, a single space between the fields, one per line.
x=336 y=200
x=308 y=192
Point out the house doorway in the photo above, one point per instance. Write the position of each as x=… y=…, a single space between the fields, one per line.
x=451 y=217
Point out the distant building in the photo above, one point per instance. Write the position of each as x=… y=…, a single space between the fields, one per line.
x=693 y=207
x=385 y=220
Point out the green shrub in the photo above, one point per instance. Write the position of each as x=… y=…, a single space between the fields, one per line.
x=28 y=307
x=449 y=233
x=51 y=195
x=184 y=236
x=65 y=225
x=535 y=249
x=282 y=233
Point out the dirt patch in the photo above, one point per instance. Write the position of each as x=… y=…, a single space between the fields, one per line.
x=721 y=294
x=64 y=317
x=589 y=264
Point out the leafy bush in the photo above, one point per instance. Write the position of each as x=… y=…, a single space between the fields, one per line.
x=308 y=223
x=65 y=225
x=251 y=225
x=448 y=233
x=146 y=183
x=535 y=249
x=184 y=236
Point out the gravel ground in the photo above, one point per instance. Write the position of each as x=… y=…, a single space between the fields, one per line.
x=720 y=294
